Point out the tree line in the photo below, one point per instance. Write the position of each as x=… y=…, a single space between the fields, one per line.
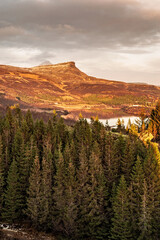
x=79 y=182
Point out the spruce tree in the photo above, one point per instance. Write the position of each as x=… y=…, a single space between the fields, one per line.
x=119 y=125
x=24 y=168
x=71 y=201
x=121 y=229
x=25 y=131
x=34 y=199
x=110 y=163
x=46 y=201
x=82 y=135
x=119 y=147
x=58 y=195
x=2 y=177
x=39 y=136
x=12 y=206
x=30 y=124
x=152 y=173
x=127 y=160
x=98 y=130
x=64 y=196
x=96 y=216
x=145 y=218
x=83 y=189
x=136 y=193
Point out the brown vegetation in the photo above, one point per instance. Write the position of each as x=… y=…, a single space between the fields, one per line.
x=64 y=86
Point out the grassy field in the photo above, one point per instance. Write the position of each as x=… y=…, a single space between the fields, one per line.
x=117 y=100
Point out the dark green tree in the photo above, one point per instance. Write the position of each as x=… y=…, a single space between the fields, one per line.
x=34 y=200
x=127 y=160
x=12 y=206
x=152 y=173
x=2 y=177
x=136 y=193
x=119 y=148
x=110 y=163
x=83 y=190
x=65 y=207
x=121 y=229
x=47 y=191
x=145 y=219
x=96 y=216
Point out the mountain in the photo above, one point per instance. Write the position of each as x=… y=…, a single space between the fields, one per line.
x=64 y=87
x=45 y=63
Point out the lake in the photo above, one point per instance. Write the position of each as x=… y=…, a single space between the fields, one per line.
x=113 y=121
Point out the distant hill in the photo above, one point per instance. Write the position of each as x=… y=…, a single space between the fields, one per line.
x=45 y=63
x=64 y=87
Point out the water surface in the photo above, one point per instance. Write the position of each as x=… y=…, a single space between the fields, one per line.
x=113 y=121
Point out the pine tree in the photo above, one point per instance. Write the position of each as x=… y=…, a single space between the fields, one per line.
x=2 y=177
x=97 y=129
x=58 y=195
x=65 y=208
x=119 y=147
x=24 y=168
x=136 y=193
x=23 y=159
x=46 y=201
x=12 y=207
x=18 y=146
x=133 y=129
x=138 y=147
x=18 y=116
x=83 y=189
x=25 y=131
x=127 y=160
x=9 y=131
x=128 y=125
x=39 y=136
x=62 y=132
x=30 y=124
x=102 y=144
x=71 y=201
x=152 y=173
x=34 y=199
x=119 y=125
x=49 y=134
x=110 y=163
x=145 y=225
x=82 y=136
x=155 y=118
x=121 y=229
x=95 y=216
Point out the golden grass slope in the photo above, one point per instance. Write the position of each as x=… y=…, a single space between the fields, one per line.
x=65 y=86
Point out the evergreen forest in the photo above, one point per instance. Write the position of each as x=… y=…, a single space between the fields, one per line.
x=81 y=182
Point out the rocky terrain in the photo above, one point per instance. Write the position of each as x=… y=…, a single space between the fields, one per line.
x=65 y=88
x=15 y=232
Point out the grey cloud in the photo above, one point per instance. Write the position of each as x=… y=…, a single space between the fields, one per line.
x=42 y=56
x=74 y=24
x=11 y=31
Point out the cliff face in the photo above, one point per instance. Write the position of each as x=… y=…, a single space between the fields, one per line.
x=64 y=86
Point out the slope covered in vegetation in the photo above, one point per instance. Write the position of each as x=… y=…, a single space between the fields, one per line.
x=64 y=87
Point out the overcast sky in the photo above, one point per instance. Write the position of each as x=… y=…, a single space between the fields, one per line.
x=111 y=39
